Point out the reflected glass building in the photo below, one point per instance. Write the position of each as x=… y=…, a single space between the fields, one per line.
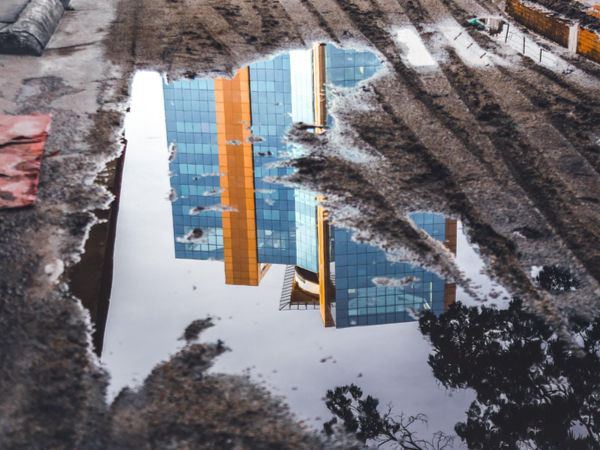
x=229 y=136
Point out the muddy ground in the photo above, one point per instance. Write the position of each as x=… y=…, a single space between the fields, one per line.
x=512 y=149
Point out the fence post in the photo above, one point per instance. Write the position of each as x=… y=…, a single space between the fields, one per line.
x=507 y=30
x=523 y=44
x=573 y=37
x=541 y=50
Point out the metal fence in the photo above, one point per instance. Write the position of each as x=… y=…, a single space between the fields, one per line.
x=529 y=48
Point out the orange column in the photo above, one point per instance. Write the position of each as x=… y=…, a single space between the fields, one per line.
x=236 y=162
x=319 y=69
x=449 y=295
x=450 y=288
x=326 y=290
x=451 y=235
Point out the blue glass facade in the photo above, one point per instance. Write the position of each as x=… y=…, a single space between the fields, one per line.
x=286 y=218
x=347 y=67
x=359 y=301
x=192 y=126
x=271 y=106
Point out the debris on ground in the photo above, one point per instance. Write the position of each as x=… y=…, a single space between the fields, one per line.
x=22 y=140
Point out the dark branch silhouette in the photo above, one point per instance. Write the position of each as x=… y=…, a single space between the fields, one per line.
x=362 y=417
x=533 y=390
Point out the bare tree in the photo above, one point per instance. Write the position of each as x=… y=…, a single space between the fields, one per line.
x=362 y=417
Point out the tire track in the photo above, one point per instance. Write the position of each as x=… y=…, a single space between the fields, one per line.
x=534 y=173
x=528 y=166
x=563 y=109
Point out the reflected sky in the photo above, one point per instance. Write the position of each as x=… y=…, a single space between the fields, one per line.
x=157 y=293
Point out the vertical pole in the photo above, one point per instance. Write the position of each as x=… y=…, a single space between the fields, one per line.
x=523 y=44
x=507 y=30
x=573 y=37
x=541 y=50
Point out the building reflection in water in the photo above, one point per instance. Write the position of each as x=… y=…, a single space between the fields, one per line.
x=228 y=134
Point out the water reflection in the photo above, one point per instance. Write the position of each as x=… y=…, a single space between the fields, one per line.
x=229 y=135
x=362 y=417
x=534 y=390
x=483 y=353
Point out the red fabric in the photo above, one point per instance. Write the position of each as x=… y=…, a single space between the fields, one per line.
x=22 y=140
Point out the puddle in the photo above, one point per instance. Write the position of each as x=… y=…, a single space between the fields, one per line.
x=302 y=305
x=416 y=53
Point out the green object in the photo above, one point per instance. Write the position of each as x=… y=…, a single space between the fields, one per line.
x=479 y=25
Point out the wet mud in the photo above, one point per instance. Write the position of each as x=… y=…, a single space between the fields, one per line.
x=511 y=149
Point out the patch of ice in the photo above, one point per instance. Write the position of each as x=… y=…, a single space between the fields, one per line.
x=172 y=197
x=234 y=142
x=254 y=139
x=264 y=191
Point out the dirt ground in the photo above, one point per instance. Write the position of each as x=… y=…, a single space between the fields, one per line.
x=512 y=149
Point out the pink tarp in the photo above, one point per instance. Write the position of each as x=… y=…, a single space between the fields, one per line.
x=22 y=140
